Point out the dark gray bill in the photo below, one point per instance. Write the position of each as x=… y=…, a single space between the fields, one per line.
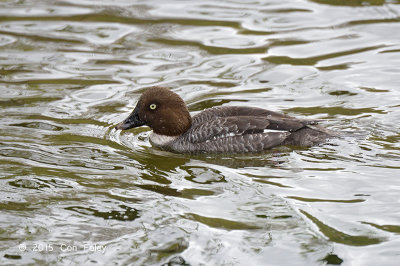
x=131 y=121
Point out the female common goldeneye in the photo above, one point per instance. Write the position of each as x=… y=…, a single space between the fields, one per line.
x=226 y=129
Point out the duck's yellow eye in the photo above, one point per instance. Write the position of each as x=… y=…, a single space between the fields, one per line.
x=153 y=106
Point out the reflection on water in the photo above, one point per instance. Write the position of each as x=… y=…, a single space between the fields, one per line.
x=70 y=70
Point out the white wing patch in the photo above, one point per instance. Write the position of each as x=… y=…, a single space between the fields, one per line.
x=272 y=130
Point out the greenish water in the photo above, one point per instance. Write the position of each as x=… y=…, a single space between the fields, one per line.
x=76 y=192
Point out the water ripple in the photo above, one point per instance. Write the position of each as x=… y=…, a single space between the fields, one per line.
x=71 y=70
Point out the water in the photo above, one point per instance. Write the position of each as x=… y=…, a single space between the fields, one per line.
x=76 y=192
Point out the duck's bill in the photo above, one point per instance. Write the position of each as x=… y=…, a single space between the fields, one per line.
x=131 y=121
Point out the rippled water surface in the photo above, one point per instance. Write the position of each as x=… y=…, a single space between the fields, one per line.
x=74 y=191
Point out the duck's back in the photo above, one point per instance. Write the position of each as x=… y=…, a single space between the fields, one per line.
x=236 y=129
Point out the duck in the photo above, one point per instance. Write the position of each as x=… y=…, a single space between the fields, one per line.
x=221 y=129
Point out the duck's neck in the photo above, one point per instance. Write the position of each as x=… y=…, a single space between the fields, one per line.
x=161 y=140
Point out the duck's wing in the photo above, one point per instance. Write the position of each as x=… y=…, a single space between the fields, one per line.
x=289 y=124
x=220 y=127
x=234 y=134
x=276 y=120
x=226 y=111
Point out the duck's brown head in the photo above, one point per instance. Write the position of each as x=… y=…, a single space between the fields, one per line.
x=160 y=109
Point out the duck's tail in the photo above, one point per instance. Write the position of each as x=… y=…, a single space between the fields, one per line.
x=315 y=134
